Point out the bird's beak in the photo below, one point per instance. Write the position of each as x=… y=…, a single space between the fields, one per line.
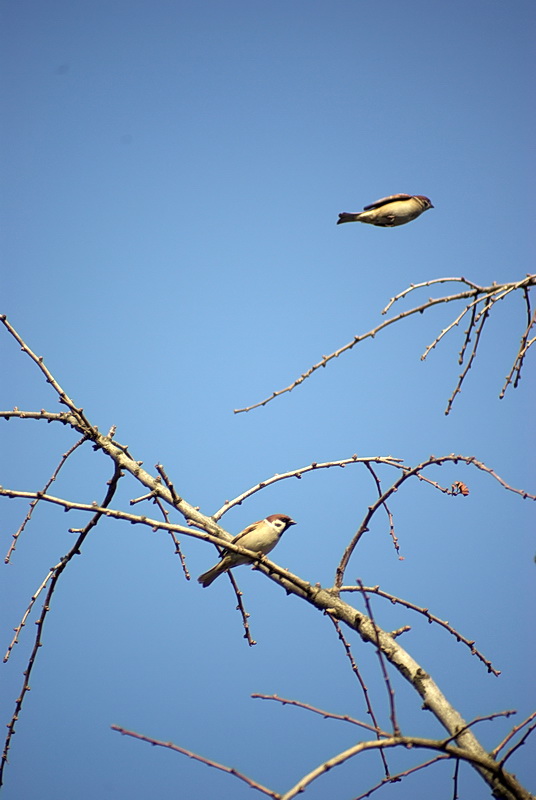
x=291 y=522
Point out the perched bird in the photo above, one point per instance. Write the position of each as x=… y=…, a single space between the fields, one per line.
x=261 y=537
x=390 y=211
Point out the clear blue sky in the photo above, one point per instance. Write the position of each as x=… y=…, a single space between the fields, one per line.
x=172 y=174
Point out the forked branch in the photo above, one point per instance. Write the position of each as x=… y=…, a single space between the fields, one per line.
x=479 y=303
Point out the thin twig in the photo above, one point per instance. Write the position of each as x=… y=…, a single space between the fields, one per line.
x=455 y=779
x=455 y=322
x=476 y=720
x=178 y=552
x=44 y=490
x=399 y=775
x=496 y=750
x=208 y=761
x=430 y=617
x=22 y=623
x=355 y=669
x=463 y=374
x=158 y=502
x=387 y=509
x=161 y=471
x=413 y=286
x=467 y=334
x=522 y=351
x=241 y=608
x=297 y=473
x=62 y=396
x=285 y=701
x=46 y=416
x=388 y=685
x=519 y=744
x=57 y=572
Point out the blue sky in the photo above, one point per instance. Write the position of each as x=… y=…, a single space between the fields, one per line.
x=173 y=172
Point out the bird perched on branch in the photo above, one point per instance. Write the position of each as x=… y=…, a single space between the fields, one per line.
x=390 y=211
x=261 y=537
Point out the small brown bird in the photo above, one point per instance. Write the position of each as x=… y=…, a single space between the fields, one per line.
x=261 y=537
x=390 y=211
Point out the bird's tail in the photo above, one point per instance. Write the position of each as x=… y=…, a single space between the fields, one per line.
x=345 y=217
x=208 y=577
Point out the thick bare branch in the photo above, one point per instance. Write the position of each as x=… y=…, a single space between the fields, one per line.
x=504 y=786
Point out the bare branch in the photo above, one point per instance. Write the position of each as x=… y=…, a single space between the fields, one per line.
x=387 y=510
x=297 y=473
x=241 y=608
x=413 y=286
x=475 y=293
x=519 y=744
x=398 y=777
x=258 y=560
x=430 y=617
x=28 y=611
x=364 y=689
x=285 y=701
x=483 y=718
x=47 y=416
x=177 y=544
x=455 y=322
x=33 y=504
x=83 y=424
x=496 y=750
x=135 y=519
x=523 y=348
x=207 y=761
x=469 y=364
x=56 y=573
x=511 y=789
x=408 y=472
x=388 y=685
x=161 y=471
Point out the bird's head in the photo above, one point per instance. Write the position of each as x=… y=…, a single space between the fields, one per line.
x=280 y=521
x=427 y=203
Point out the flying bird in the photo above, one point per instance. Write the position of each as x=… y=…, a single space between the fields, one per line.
x=261 y=537
x=390 y=211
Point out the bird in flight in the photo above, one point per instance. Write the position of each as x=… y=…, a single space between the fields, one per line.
x=397 y=209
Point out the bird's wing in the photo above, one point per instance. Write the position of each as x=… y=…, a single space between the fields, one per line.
x=385 y=200
x=245 y=532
